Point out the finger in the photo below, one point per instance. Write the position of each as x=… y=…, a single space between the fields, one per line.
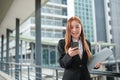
x=96 y=67
x=75 y=48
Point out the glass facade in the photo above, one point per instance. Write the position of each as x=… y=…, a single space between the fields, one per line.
x=53 y=18
x=49 y=55
x=53 y=22
x=83 y=9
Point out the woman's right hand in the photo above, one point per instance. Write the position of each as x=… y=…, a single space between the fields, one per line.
x=73 y=51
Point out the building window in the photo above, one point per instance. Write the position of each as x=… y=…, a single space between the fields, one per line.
x=109 y=13
x=64 y=1
x=49 y=56
x=110 y=31
x=108 y=4
x=33 y=20
x=45 y=57
x=52 y=57
x=109 y=22
x=32 y=32
x=111 y=40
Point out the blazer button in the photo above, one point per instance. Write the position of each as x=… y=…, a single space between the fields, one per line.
x=80 y=65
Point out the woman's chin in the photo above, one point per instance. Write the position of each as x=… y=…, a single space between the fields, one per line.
x=75 y=37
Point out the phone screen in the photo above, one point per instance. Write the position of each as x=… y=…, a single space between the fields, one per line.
x=74 y=44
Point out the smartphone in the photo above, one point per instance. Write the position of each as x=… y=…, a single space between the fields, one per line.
x=74 y=44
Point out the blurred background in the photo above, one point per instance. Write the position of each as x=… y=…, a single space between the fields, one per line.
x=100 y=19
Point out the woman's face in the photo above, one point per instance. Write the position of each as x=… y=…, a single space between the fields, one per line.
x=75 y=29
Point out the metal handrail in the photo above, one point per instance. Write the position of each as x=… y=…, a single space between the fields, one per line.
x=106 y=73
x=29 y=71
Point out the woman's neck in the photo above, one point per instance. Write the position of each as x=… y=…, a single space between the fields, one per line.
x=75 y=39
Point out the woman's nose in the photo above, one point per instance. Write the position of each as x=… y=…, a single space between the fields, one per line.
x=74 y=29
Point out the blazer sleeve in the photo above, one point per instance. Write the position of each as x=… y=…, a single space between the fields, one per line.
x=64 y=59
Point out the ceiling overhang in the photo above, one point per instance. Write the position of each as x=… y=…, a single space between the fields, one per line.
x=13 y=9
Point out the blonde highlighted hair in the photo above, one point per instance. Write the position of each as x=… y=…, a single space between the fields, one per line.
x=68 y=36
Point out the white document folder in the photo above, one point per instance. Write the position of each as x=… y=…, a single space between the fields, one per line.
x=99 y=57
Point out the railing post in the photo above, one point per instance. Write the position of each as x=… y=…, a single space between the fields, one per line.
x=20 y=72
x=56 y=74
x=28 y=73
x=2 y=46
x=21 y=55
x=21 y=59
x=8 y=31
x=11 y=65
x=38 y=38
x=17 y=49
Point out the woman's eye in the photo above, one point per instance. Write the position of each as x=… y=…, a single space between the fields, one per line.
x=77 y=26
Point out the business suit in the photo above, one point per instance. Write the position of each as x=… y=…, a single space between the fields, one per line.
x=75 y=68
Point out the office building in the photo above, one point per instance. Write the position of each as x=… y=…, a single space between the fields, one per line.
x=115 y=29
x=107 y=25
x=53 y=22
x=84 y=9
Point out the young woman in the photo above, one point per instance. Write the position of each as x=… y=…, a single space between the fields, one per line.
x=74 y=60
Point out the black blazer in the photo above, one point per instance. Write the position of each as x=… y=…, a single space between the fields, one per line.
x=75 y=68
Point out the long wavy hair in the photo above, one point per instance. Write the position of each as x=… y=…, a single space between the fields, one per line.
x=68 y=37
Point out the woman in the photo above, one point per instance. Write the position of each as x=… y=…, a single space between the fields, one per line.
x=74 y=60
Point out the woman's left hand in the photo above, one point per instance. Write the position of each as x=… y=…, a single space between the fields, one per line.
x=98 y=65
